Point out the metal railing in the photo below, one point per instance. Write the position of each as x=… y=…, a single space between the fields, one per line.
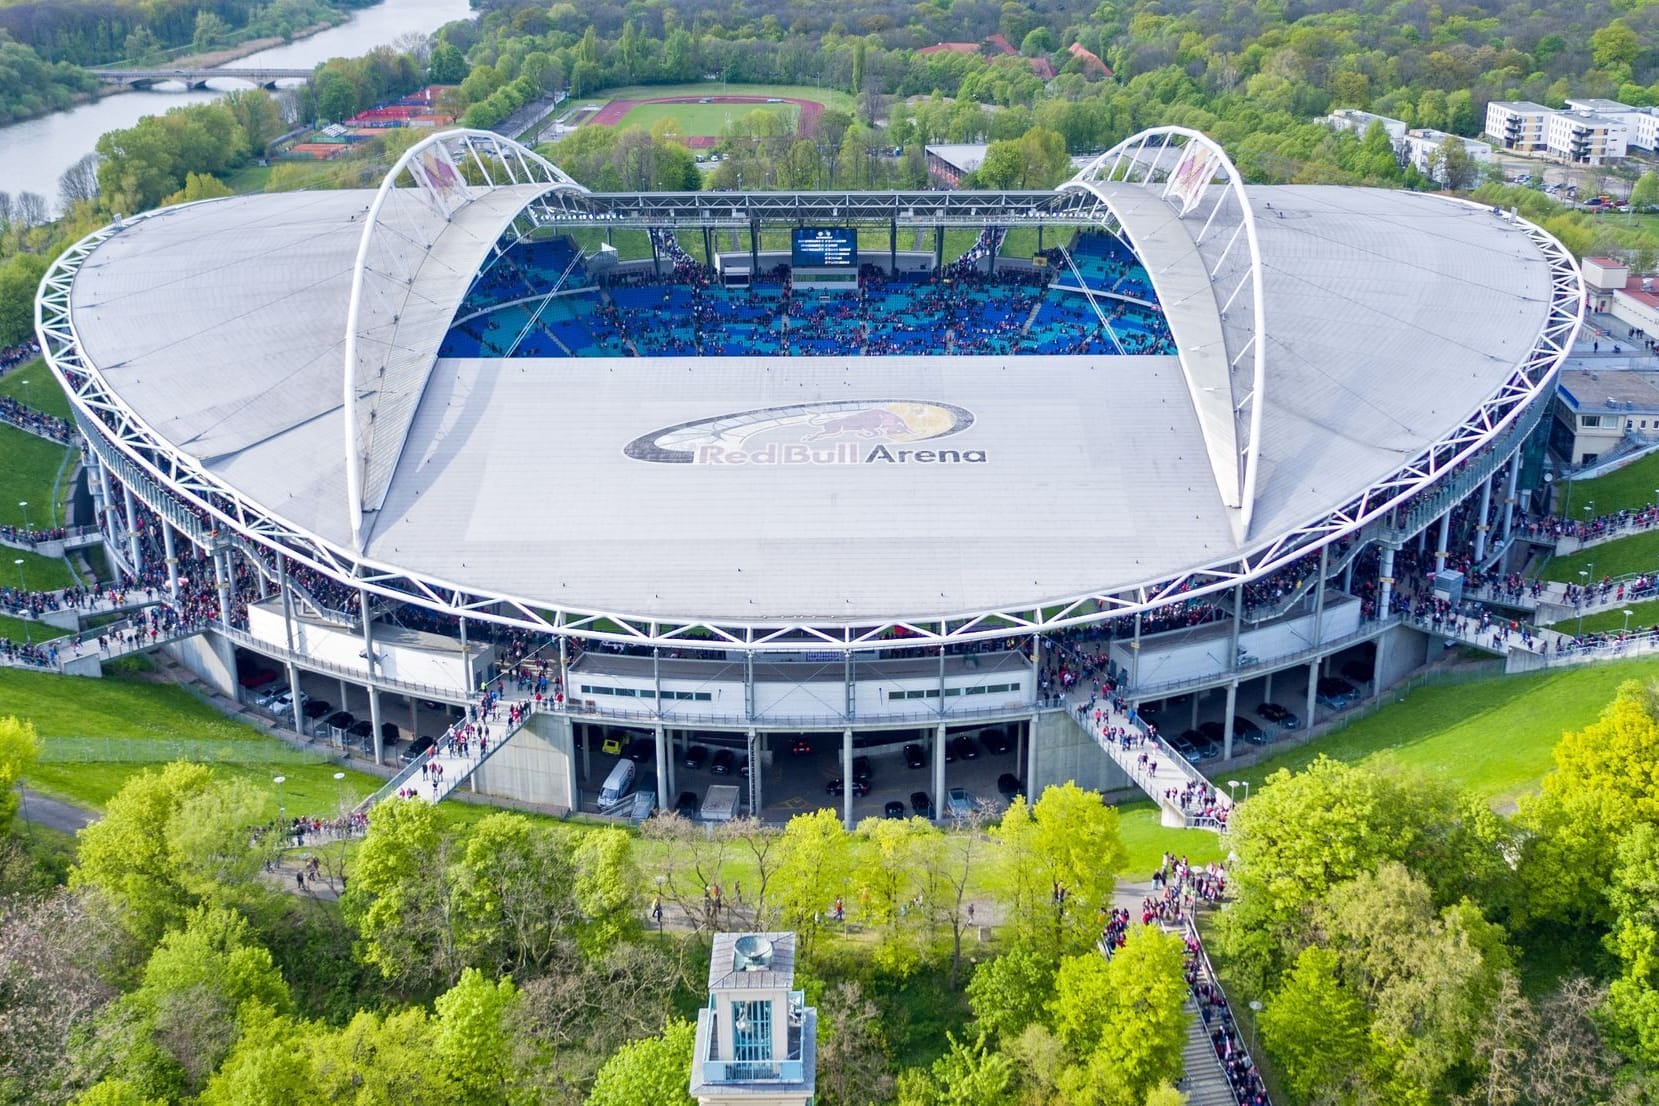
x=1452 y=489
x=1206 y=974
x=1259 y=666
x=753 y=1071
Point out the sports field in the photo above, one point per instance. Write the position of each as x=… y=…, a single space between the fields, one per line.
x=703 y=119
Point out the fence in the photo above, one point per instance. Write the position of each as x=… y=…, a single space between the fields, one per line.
x=140 y=750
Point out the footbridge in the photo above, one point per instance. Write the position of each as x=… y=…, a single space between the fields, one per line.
x=198 y=78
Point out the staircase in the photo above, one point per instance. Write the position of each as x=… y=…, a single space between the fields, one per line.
x=455 y=768
x=1164 y=771
x=1203 y=1081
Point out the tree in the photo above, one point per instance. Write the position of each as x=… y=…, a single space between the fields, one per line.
x=968 y=1074
x=852 y=1053
x=19 y=279
x=653 y=1070
x=890 y=860
x=515 y=895
x=1315 y=1029
x=607 y=890
x=448 y=65
x=1645 y=193
x=19 y=748
x=1451 y=165
x=1056 y=866
x=1122 y=1021
x=209 y=33
x=472 y=1044
x=270 y=1065
x=79 y=182
x=814 y=866
x=1615 y=47
x=1037 y=159
x=142 y=47
x=1011 y=991
x=401 y=900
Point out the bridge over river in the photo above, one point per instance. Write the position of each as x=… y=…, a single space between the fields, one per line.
x=198 y=78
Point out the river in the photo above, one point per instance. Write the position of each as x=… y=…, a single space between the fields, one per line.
x=34 y=153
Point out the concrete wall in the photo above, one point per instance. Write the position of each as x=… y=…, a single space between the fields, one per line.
x=1400 y=652
x=536 y=766
x=209 y=656
x=340 y=646
x=1061 y=751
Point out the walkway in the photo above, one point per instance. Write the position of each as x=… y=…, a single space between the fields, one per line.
x=435 y=774
x=1148 y=761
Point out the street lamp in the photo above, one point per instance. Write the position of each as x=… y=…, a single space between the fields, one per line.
x=1241 y=783
x=1627 y=613
x=1255 y=1011
x=340 y=791
x=1582 y=599
x=23 y=590
x=282 y=812
x=23 y=505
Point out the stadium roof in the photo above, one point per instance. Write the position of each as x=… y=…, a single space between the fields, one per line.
x=1389 y=317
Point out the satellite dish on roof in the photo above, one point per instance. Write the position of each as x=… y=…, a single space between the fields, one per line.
x=751 y=953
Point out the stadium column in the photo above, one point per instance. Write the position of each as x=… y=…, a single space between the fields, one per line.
x=939 y=770
x=664 y=766
x=1227 y=721
x=133 y=550
x=1385 y=581
x=221 y=583
x=170 y=548
x=754 y=250
x=106 y=502
x=1313 y=690
x=656 y=255
x=1443 y=540
x=749 y=686
x=466 y=658
x=1510 y=495
x=938 y=251
x=756 y=751
x=708 y=247
x=846 y=777
x=368 y=660
x=847 y=675
x=893 y=247
x=1036 y=668
x=1319 y=627
x=288 y=630
x=1482 y=526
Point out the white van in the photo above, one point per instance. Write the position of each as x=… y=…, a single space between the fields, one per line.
x=618 y=783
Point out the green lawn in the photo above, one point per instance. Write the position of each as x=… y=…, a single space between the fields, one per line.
x=1493 y=737
x=39 y=573
x=35 y=386
x=32 y=467
x=829 y=97
x=1147 y=841
x=712 y=120
x=1631 y=486
x=1637 y=553
x=1642 y=615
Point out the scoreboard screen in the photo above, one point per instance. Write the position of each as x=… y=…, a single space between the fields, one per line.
x=824 y=248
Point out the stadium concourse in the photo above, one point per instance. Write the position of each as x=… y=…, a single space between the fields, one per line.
x=838 y=524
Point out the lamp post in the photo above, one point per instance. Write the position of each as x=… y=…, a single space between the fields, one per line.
x=1255 y=1012
x=23 y=505
x=1627 y=613
x=1582 y=599
x=23 y=590
x=1232 y=791
x=340 y=791
x=282 y=811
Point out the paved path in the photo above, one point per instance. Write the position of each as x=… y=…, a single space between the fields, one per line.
x=55 y=814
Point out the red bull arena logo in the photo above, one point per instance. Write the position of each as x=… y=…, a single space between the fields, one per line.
x=844 y=432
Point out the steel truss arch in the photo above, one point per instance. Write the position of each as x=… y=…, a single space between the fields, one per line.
x=172 y=481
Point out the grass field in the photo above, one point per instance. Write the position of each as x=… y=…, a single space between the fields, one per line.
x=31 y=468
x=711 y=120
x=1637 y=553
x=34 y=386
x=1632 y=486
x=829 y=97
x=39 y=573
x=1641 y=615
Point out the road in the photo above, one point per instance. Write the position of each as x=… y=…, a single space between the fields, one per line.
x=55 y=814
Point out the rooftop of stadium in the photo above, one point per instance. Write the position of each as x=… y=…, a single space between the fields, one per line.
x=519 y=399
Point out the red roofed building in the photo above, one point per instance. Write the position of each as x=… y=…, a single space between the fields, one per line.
x=1042 y=67
x=1000 y=45
x=950 y=48
x=1091 y=63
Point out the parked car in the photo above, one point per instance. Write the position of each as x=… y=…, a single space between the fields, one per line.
x=1279 y=716
x=921 y=804
x=836 y=787
x=284 y=700
x=316 y=708
x=1246 y=730
x=723 y=763
x=1009 y=785
x=893 y=809
x=1185 y=747
x=966 y=747
x=997 y=743
x=914 y=757
x=389 y=734
x=415 y=749
x=800 y=747
x=611 y=746
x=641 y=749
x=696 y=756
x=686 y=805
x=960 y=802
x=1357 y=671
x=1336 y=694
x=340 y=719
x=361 y=730
x=861 y=769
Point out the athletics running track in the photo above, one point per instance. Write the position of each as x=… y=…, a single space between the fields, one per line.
x=612 y=113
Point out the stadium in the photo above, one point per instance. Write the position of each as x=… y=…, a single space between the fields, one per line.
x=802 y=497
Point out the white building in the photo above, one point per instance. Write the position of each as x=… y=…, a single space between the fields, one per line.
x=756 y=1038
x=1584 y=138
x=1420 y=147
x=1352 y=119
x=1518 y=125
x=1641 y=124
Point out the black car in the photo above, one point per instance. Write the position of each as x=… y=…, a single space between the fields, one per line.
x=317 y=708
x=893 y=809
x=861 y=769
x=686 y=805
x=340 y=719
x=723 y=763
x=921 y=804
x=361 y=730
x=1212 y=731
x=388 y=733
x=966 y=747
x=800 y=747
x=836 y=787
x=1279 y=716
x=914 y=757
x=641 y=749
x=1246 y=730
x=997 y=743
x=415 y=749
x=1357 y=671
x=1186 y=747
x=1336 y=694
x=696 y=756
x=1009 y=785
